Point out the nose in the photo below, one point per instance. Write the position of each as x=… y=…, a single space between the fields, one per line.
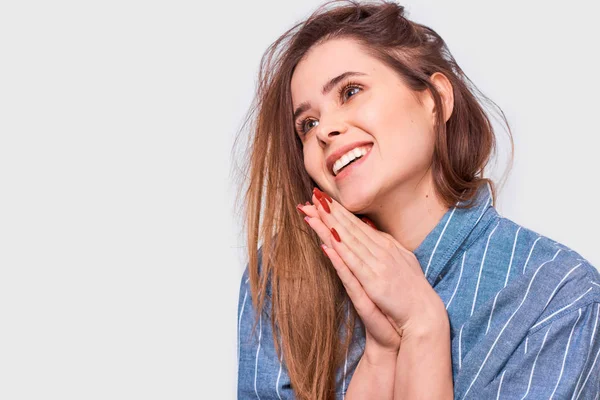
x=330 y=126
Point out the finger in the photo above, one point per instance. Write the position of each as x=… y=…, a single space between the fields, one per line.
x=368 y=222
x=312 y=218
x=374 y=320
x=339 y=216
x=377 y=242
x=308 y=210
x=320 y=228
x=363 y=304
x=349 y=220
x=362 y=245
x=362 y=271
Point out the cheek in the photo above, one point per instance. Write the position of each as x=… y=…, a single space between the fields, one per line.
x=311 y=161
x=405 y=134
x=385 y=115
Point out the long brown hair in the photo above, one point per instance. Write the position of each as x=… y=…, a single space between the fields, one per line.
x=288 y=273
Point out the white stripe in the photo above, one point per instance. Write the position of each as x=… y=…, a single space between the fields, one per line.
x=280 y=365
x=594 y=283
x=557 y=311
x=346 y=359
x=505 y=281
x=531 y=251
x=438 y=241
x=595 y=325
x=489 y=186
x=561 y=281
x=460 y=348
x=458 y=283
x=500 y=386
x=487 y=203
x=588 y=375
x=240 y=322
x=511 y=256
x=534 y=362
x=562 y=368
x=481 y=267
x=257 y=350
x=589 y=351
x=526 y=341
x=505 y=325
x=492 y=313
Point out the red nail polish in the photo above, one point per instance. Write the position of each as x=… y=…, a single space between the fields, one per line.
x=307 y=203
x=318 y=194
x=369 y=222
x=300 y=209
x=336 y=236
x=324 y=204
x=323 y=247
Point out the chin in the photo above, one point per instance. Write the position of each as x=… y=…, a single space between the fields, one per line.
x=357 y=198
x=358 y=205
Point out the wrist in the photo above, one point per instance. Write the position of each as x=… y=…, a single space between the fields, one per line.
x=426 y=326
x=377 y=356
x=424 y=367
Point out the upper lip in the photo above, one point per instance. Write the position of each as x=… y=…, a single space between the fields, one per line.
x=334 y=156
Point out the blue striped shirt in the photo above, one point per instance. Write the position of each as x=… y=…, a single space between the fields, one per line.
x=524 y=313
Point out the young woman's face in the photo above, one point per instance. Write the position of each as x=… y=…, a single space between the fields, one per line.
x=371 y=108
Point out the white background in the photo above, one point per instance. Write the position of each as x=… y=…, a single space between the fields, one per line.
x=120 y=251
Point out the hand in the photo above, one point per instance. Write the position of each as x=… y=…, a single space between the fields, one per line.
x=389 y=274
x=381 y=337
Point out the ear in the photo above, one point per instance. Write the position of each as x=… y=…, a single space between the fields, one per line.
x=444 y=87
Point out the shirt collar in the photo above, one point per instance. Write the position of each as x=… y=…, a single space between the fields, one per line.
x=454 y=229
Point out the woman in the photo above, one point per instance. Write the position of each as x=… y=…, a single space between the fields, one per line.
x=368 y=115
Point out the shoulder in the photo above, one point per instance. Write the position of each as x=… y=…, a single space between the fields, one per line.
x=560 y=277
x=525 y=250
x=536 y=283
x=533 y=272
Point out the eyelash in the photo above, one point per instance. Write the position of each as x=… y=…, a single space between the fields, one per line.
x=341 y=91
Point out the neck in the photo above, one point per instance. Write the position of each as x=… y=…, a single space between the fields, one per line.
x=409 y=213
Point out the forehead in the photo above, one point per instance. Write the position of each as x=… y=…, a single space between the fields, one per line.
x=327 y=60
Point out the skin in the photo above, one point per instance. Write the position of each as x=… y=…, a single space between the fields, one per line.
x=407 y=353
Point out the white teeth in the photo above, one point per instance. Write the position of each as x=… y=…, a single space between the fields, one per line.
x=348 y=157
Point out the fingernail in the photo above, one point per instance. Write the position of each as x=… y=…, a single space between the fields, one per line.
x=323 y=247
x=324 y=204
x=307 y=203
x=318 y=194
x=298 y=207
x=306 y=220
x=368 y=222
x=336 y=236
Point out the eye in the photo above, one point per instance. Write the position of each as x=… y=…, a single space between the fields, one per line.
x=301 y=126
x=350 y=87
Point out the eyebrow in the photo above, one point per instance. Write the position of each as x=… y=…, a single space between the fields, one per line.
x=326 y=89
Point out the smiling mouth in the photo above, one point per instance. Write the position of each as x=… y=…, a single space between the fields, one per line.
x=345 y=169
x=342 y=168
